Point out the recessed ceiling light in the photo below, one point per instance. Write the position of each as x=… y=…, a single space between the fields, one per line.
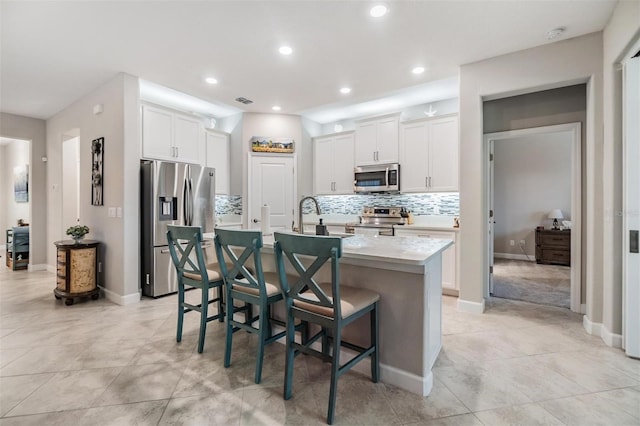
x=211 y=80
x=276 y=108
x=378 y=11
x=285 y=50
x=418 y=70
x=345 y=90
x=555 y=33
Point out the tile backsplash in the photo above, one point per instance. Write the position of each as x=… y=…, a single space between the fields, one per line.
x=440 y=203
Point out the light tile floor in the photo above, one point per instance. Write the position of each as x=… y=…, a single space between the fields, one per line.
x=97 y=363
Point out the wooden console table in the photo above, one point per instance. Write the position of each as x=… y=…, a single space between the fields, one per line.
x=77 y=270
x=553 y=246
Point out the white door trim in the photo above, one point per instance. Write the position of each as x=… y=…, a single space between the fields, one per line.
x=576 y=198
x=630 y=201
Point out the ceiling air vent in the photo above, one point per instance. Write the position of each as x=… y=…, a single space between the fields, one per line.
x=244 y=100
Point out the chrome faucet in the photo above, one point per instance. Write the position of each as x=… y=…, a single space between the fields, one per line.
x=309 y=197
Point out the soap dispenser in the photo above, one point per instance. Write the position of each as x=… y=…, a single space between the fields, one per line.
x=321 y=229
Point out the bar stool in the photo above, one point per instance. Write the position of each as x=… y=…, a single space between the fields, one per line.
x=330 y=305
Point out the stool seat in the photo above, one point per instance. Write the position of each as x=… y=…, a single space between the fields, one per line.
x=352 y=300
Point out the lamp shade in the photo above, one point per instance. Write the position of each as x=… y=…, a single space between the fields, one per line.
x=555 y=214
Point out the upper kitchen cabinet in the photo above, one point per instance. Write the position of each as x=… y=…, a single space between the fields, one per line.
x=429 y=155
x=217 y=144
x=171 y=136
x=333 y=164
x=377 y=141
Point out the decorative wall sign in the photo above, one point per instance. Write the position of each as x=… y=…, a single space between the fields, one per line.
x=266 y=144
x=97 y=176
x=21 y=183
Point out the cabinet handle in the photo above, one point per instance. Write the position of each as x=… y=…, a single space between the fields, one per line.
x=177 y=152
x=426 y=181
x=429 y=181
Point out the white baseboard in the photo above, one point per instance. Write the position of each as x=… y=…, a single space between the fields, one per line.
x=51 y=268
x=128 y=299
x=388 y=374
x=39 y=267
x=471 y=307
x=512 y=256
x=598 y=329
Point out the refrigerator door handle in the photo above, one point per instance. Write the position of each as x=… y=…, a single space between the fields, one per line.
x=191 y=202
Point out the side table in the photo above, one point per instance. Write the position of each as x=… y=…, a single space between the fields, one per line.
x=77 y=271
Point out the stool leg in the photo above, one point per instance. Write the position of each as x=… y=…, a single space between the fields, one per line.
x=375 y=333
x=180 y=312
x=335 y=367
x=204 y=310
x=227 y=351
x=288 y=367
x=220 y=293
x=263 y=324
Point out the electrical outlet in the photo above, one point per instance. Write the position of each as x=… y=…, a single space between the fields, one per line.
x=512 y=242
x=522 y=242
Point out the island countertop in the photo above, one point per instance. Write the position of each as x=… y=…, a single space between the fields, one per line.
x=400 y=250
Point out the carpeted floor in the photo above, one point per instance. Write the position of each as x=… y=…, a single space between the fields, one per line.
x=531 y=282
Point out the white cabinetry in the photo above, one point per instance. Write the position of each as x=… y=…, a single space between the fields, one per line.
x=218 y=157
x=333 y=164
x=377 y=141
x=429 y=155
x=449 y=256
x=168 y=135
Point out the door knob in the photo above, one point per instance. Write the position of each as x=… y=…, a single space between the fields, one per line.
x=256 y=220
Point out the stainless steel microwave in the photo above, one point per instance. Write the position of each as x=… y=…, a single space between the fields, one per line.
x=378 y=178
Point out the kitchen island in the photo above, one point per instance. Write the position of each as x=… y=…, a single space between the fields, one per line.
x=406 y=272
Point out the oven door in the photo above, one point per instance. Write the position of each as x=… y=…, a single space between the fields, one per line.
x=382 y=178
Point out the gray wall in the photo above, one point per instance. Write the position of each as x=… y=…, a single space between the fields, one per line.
x=559 y=64
x=34 y=130
x=119 y=125
x=532 y=176
x=622 y=30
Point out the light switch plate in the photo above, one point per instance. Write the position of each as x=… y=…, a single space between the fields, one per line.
x=118 y=211
x=112 y=212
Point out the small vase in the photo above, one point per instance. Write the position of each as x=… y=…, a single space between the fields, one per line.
x=76 y=240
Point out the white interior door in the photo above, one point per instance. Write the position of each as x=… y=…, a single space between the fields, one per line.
x=272 y=182
x=631 y=200
x=70 y=184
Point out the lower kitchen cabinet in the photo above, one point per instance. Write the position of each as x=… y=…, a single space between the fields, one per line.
x=449 y=256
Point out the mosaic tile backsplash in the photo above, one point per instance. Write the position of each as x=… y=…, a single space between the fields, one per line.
x=441 y=203
x=228 y=204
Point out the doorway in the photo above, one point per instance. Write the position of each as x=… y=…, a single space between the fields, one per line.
x=532 y=173
x=70 y=182
x=15 y=184
x=272 y=182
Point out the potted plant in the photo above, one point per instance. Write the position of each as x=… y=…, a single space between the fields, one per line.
x=77 y=232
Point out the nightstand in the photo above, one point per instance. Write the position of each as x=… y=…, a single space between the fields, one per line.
x=553 y=247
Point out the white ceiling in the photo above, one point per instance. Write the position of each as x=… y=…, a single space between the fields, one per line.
x=55 y=52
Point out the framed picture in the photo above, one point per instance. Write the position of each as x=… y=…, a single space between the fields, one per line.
x=21 y=183
x=97 y=175
x=268 y=144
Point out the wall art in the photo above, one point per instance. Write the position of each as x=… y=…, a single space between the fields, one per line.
x=267 y=144
x=97 y=171
x=21 y=183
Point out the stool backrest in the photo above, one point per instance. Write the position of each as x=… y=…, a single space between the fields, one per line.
x=320 y=249
x=234 y=267
x=185 y=246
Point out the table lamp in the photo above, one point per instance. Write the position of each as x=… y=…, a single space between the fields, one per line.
x=555 y=214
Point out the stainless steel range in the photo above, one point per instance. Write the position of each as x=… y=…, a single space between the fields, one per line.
x=378 y=221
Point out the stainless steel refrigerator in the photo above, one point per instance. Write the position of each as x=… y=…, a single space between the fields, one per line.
x=171 y=194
